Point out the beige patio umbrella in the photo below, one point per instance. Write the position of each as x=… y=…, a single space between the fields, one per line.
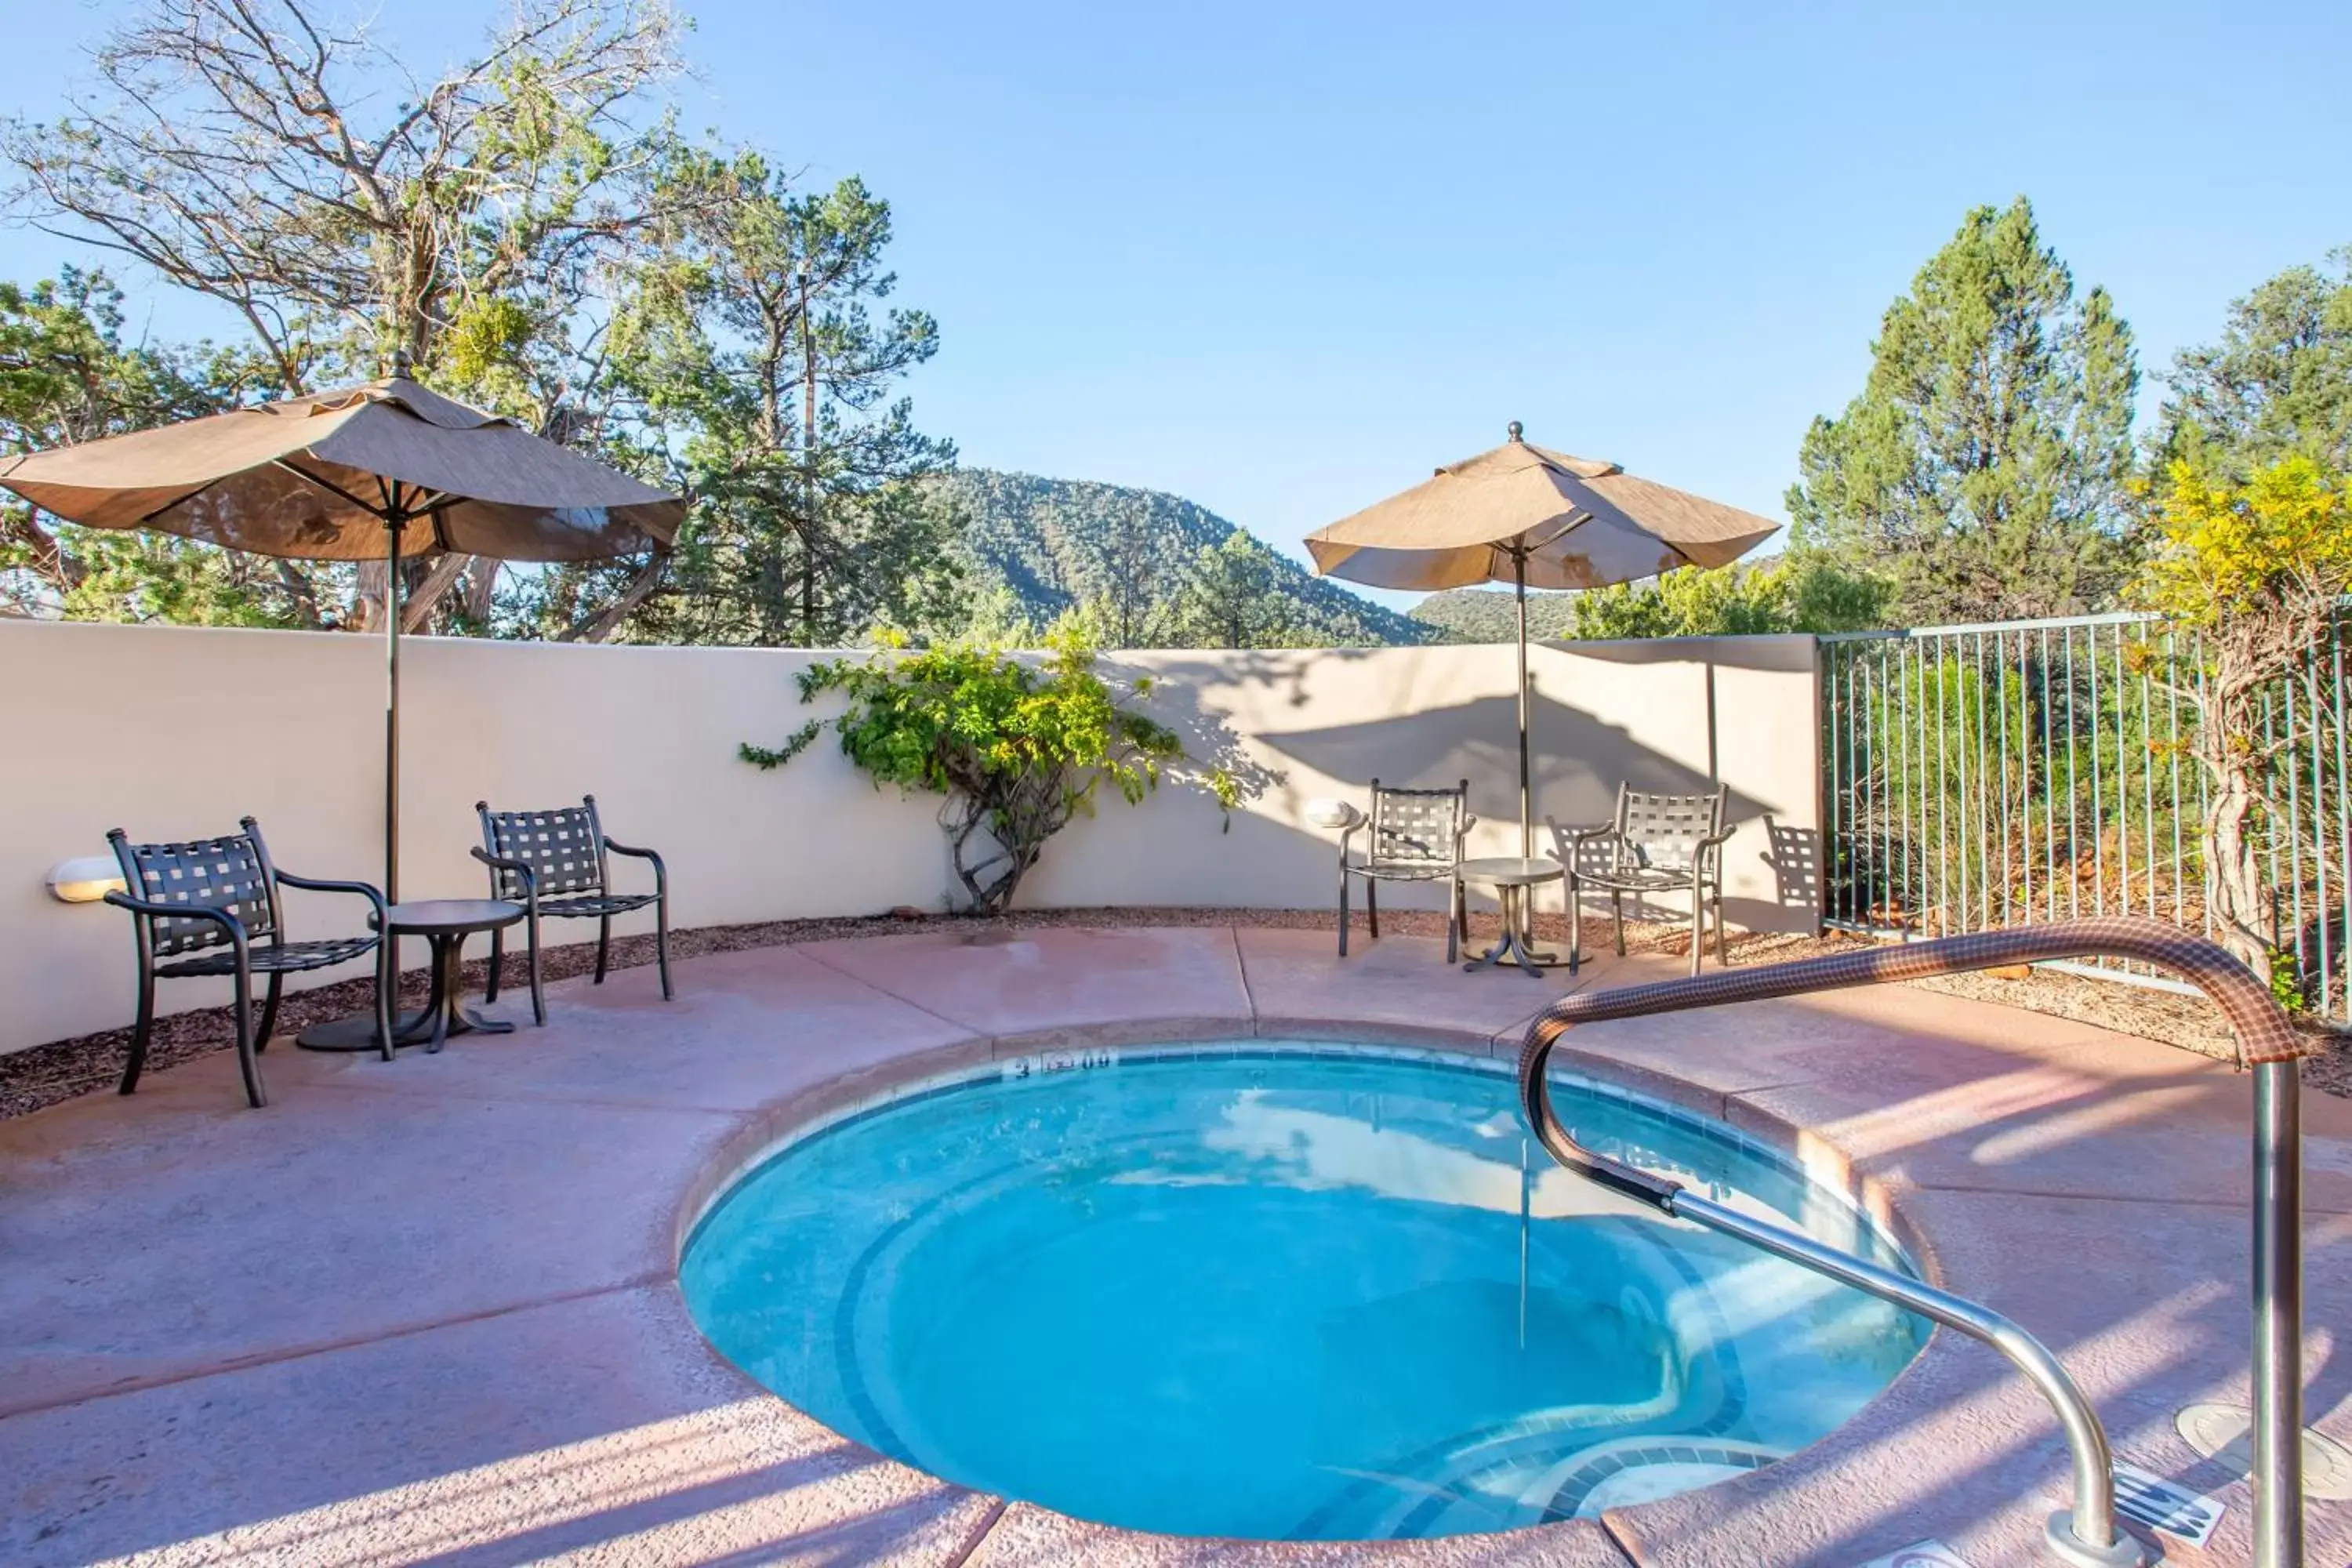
x=385 y=470
x=1532 y=518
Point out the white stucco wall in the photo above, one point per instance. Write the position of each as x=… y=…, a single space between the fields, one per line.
x=174 y=732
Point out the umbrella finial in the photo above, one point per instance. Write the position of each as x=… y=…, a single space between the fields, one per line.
x=1515 y=430
x=400 y=369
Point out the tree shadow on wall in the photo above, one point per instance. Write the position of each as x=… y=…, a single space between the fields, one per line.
x=1212 y=745
x=1576 y=762
x=1282 y=669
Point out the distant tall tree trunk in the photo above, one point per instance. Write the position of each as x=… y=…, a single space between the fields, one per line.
x=813 y=542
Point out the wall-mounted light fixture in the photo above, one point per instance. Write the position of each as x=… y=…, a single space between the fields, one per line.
x=85 y=880
x=1329 y=813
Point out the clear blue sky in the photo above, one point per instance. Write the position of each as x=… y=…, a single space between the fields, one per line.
x=1283 y=258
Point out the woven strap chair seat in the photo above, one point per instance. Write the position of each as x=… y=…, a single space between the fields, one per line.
x=595 y=904
x=1663 y=832
x=1415 y=828
x=1639 y=878
x=290 y=958
x=1404 y=871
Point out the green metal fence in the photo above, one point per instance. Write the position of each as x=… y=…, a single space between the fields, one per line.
x=1981 y=776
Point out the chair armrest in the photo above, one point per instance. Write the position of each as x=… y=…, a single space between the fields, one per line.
x=1587 y=834
x=373 y=894
x=520 y=868
x=235 y=926
x=1709 y=851
x=661 y=873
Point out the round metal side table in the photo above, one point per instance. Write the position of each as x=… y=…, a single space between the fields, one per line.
x=1515 y=879
x=444 y=924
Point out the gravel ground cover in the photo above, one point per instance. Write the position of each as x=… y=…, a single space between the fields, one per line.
x=44 y=1075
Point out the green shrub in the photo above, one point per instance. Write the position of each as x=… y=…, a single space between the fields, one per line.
x=1017 y=748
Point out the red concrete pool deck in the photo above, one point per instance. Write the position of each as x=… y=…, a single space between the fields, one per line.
x=426 y=1310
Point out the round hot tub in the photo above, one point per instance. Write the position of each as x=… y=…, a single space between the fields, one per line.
x=1286 y=1292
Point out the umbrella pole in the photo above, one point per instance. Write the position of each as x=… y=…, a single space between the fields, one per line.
x=357 y=1033
x=392 y=525
x=1527 y=813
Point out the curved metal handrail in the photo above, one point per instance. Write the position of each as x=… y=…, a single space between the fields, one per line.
x=2266 y=1041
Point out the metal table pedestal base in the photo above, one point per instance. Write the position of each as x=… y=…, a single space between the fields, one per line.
x=417 y=1027
x=1515 y=882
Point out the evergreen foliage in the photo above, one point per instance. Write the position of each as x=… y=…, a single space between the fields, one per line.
x=1489 y=614
x=1786 y=594
x=762 y=337
x=1807 y=594
x=2278 y=383
x=1230 y=596
x=1986 y=464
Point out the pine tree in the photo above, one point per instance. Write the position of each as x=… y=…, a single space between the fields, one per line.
x=760 y=337
x=1130 y=603
x=1230 y=598
x=2279 y=383
x=1986 y=464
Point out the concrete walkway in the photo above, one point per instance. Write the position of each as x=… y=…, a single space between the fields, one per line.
x=425 y=1311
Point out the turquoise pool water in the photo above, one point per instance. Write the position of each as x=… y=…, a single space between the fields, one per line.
x=1285 y=1293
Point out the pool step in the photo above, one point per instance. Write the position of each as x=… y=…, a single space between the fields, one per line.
x=1530 y=1474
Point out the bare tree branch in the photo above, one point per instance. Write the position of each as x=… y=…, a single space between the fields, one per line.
x=236 y=147
x=605 y=621
x=417 y=606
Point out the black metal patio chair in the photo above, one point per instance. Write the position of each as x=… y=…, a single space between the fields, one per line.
x=553 y=864
x=1414 y=836
x=222 y=893
x=1656 y=844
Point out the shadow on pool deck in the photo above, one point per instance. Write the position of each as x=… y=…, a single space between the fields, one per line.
x=422 y=1311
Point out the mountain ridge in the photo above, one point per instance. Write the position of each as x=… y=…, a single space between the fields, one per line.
x=1057 y=545
x=1489 y=614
